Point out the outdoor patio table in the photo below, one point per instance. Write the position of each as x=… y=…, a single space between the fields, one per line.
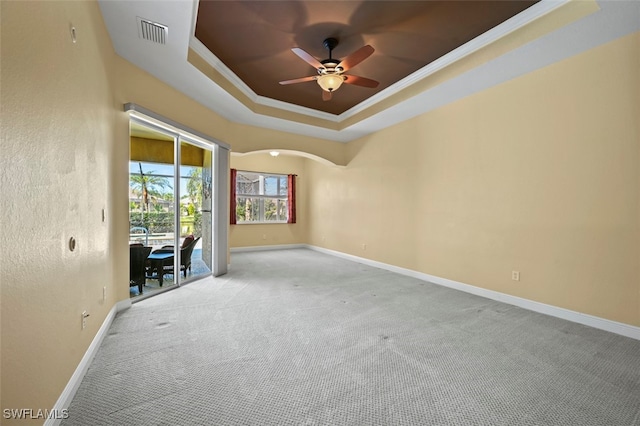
x=157 y=262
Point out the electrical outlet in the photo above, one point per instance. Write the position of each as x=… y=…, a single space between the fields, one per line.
x=515 y=275
x=264 y=236
x=84 y=319
x=104 y=294
x=364 y=247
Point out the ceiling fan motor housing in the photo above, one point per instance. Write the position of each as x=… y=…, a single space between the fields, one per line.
x=330 y=43
x=330 y=65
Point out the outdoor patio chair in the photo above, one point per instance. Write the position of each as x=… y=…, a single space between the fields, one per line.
x=185 y=255
x=137 y=257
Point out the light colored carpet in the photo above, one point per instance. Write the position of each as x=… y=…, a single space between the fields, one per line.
x=296 y=337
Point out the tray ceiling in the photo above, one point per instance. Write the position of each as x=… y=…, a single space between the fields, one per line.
x=254 y=40
x=230 y=55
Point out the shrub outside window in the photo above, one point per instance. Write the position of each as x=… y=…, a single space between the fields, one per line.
x=261 y=197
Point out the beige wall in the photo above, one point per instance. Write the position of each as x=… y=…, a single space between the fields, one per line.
x=247 y=139
x=58 y=145
x=251 y=235
x=539 y=175
x=547 y=185
x=139 y=87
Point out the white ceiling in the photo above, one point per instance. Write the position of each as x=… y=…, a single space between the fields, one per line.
x=616 y=18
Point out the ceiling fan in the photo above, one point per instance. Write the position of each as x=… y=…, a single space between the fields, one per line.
x=330 y=71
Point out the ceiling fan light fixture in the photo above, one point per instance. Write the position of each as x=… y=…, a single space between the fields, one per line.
x=330 y=82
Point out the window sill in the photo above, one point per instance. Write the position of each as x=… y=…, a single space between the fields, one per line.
x=262 y=223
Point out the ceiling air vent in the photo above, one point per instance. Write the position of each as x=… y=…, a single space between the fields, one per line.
x=152 y=31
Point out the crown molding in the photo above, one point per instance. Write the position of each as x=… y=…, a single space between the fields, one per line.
x=523 y=18
x=574 y=26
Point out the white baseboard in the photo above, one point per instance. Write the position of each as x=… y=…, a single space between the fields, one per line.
x=589 y=320
x=269 y=247
x=74 y=383
x=573 y=316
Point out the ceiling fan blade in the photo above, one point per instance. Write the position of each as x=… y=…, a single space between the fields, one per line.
x=361 y=81
x=356 y=57
x=326 y=96
x=299 y=80
x=307 y=58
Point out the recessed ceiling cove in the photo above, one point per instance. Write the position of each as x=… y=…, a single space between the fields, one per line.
x=254 y=39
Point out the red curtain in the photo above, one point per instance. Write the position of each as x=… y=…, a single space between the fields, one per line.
x=232 y=201
x=291 y=211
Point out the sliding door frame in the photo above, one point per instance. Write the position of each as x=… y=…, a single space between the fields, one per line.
x=220 y=159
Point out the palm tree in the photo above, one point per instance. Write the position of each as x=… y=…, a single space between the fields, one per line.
x=194 y=186
x=148 y=186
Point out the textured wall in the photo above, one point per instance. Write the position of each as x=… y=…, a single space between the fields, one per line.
x=58 y=127
x=540 y=174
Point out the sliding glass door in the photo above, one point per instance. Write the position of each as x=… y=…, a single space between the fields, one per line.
x=170 y=208
x=152 y=195
x=196 y=234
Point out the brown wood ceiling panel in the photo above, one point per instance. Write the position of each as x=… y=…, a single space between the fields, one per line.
x=254 y=39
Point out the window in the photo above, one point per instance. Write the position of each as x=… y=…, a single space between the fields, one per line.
x=261 y=197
